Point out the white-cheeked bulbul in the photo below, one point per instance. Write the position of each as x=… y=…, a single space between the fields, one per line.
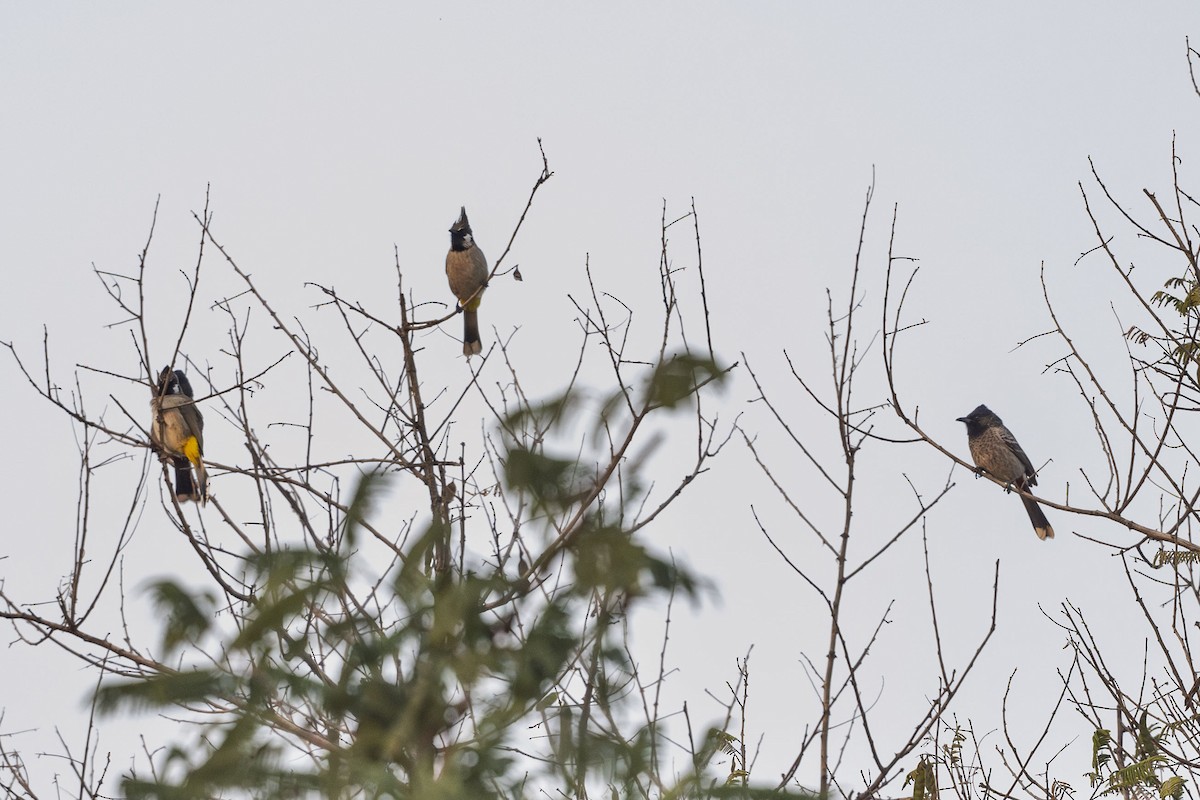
x=178 y=431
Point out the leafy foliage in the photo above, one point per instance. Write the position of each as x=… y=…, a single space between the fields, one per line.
x=423 y=691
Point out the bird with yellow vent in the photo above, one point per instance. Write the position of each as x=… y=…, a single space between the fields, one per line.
x=177 y=430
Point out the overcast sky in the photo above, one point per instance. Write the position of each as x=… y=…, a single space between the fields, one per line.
x=332 y=139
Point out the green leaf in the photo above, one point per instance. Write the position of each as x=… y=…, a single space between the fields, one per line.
x=271 y=618
x=539 y=416
x=157 y=691
x=187 y=618
x=552 y=481
x=370 y=484
x=1147 y=742
x=608 y=558
x=1172 y=787
x=678 y=377
x=1101 y=751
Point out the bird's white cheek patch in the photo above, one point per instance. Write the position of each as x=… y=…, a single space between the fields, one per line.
x=468 y=240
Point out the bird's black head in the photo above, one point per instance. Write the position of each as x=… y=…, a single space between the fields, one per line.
x=461 y=237
x=173 y=382
x=184 y=385
x=982 y=417
x=166 y=382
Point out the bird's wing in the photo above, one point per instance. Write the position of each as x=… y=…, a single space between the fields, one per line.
x=195 y=422
x=1010 y=440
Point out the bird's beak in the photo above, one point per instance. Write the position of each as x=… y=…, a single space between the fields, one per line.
x=962 y=419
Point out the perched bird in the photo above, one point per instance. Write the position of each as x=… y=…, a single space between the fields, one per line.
x=996 y=452
x=467 y=271
x=178 y=431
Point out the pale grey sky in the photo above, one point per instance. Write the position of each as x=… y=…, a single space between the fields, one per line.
x=328 y=136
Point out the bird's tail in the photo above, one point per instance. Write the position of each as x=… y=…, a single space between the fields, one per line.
x=185 y=489
x=1041 y=525
x=471 y=342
